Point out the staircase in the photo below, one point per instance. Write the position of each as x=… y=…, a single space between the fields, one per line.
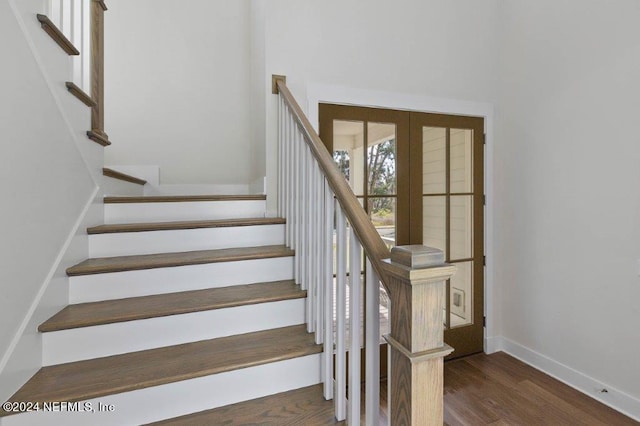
x=186 y=304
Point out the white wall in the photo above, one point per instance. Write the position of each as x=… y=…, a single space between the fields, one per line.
x=177 y=88
x=47 y=183
x=563 y=78
x=567 y=188
x=437 y=48
x=260 y=90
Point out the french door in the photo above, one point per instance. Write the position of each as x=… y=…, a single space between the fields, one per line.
x=419 y=176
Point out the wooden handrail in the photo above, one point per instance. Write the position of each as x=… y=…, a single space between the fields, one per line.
x=372 y=244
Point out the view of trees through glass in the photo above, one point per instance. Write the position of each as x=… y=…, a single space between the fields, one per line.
x=381 y=182
x=380 y=191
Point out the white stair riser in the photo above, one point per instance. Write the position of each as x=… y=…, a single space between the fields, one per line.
x=111 y=339
x=185 y=397
x=117 y=187
x=118 y=285
x=192 y=210
x=133 y=243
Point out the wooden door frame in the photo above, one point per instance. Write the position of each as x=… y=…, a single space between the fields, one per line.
x=467 y=338
x=324 y=93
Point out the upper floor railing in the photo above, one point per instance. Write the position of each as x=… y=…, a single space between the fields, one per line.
x=73 y=18
x=334 y=238
x=82 y=23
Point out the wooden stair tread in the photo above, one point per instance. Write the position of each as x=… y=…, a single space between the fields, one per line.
x=304 y=406
x=183 y=198
x=194 y=224
x=122 y=176
x=136 y=308
x=82 y=380
x=102 y=265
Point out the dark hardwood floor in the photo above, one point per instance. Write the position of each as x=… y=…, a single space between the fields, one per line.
x=498 y=389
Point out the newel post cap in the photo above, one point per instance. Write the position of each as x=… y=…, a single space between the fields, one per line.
x=417 y=256
x=418 y=264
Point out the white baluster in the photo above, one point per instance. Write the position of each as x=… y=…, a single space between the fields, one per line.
x=372 y=345
x=341 y=296
x=285 y=170
x=55 y=12
x=305 y=223
x=355 y=292
x=318 y=210
x=313 y=252
x=76 y=39
x=327 y=283
x=292 y=170
x=307 y=238
x=298 y=209
x=289 y=165
x=65 y=19
x=85 y=57
x=280 y=157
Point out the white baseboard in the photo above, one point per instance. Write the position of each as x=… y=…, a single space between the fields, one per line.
x=492 y=345
x=614 y=398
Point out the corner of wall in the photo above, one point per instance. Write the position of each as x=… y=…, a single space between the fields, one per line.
x=614 y=398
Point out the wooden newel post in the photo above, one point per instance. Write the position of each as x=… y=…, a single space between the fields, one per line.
x=417 y=277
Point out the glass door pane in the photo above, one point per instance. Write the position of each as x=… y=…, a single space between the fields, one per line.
x=461 y=161
x=434 y=222
x=382 y=179
x=461 y=227
x=434 y=160
x=348 y=152
x=382 y=211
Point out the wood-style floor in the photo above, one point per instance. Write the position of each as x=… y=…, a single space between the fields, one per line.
x=481 y=389
x=498 y=389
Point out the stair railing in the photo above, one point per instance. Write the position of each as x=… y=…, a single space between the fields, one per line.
x=82 y=23
x=322 y=213
x=73 y=18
